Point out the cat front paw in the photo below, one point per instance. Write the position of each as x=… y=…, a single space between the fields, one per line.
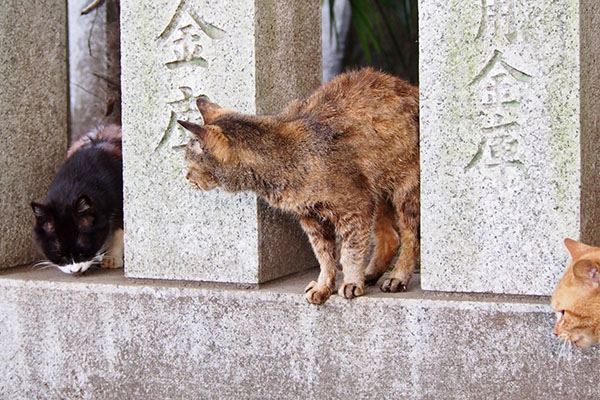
x=317 y=294
x=351 y=290
x=393 y=285
x=112 y=262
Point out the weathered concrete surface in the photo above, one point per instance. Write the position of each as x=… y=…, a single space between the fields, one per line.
x=33 y=118
x=508 y=141
x=103 y=336
x=248 y=55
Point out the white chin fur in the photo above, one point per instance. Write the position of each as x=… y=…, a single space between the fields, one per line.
x=76 y=267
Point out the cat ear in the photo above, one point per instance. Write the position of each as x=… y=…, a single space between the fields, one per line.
x=198 y=130
x=213 y=139
x=577 y=249
x=39 y=210
x=83 y=205
x=83 y=211
x=209 y=110
x=43 y=216
x=587 y=271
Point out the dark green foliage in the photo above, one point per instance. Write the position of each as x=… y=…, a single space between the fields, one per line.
x=388 y=32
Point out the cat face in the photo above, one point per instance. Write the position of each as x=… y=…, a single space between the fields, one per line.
x=71 y=238
x=576 y=299
x=208 y=153
x=202 y=166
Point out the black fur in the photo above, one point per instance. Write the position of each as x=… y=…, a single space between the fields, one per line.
x=84 y=205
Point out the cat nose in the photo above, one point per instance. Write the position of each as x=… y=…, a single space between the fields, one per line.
x=556 y=329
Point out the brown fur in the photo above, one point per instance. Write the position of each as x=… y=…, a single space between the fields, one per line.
x=345 y=162
x=576 y=298
x=109 y=137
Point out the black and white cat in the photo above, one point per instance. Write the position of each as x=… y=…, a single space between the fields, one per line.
x=80 y=223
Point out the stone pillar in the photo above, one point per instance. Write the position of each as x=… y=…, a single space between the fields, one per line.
x=33 y=125
x=250 y=55
x=93 y=65
x=509 y=139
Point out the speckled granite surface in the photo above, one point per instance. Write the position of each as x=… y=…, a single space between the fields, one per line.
x=173 y=51
x=34 y=116
x=500 y=143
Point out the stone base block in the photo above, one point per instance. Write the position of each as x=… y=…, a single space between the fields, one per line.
x=104 y=336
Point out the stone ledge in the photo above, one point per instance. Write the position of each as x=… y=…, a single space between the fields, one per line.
x=105 y=336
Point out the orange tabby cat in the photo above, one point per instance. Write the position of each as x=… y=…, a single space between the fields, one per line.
x=576 y=298
x=345 y=162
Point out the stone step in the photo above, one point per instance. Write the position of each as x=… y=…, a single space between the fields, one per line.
x=106 y=336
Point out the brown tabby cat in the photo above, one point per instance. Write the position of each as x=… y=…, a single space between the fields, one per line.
x=345 y=162
x=576 y=298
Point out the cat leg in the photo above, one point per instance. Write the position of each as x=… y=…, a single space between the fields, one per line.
x=355 y=233
x=386 y=242
x=322 y=238
x=408 y=212
x=114 y=255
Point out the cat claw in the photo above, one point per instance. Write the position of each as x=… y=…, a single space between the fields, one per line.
x=350 y=290
x=317 y=294
x=393 y=285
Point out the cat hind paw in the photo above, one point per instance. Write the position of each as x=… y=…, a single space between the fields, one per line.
x=393 y=285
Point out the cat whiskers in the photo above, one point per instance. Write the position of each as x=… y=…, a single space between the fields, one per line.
x=45 y=264
x=104 y=249
x=103 y=252
x=565 y=349
x=99 y=257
